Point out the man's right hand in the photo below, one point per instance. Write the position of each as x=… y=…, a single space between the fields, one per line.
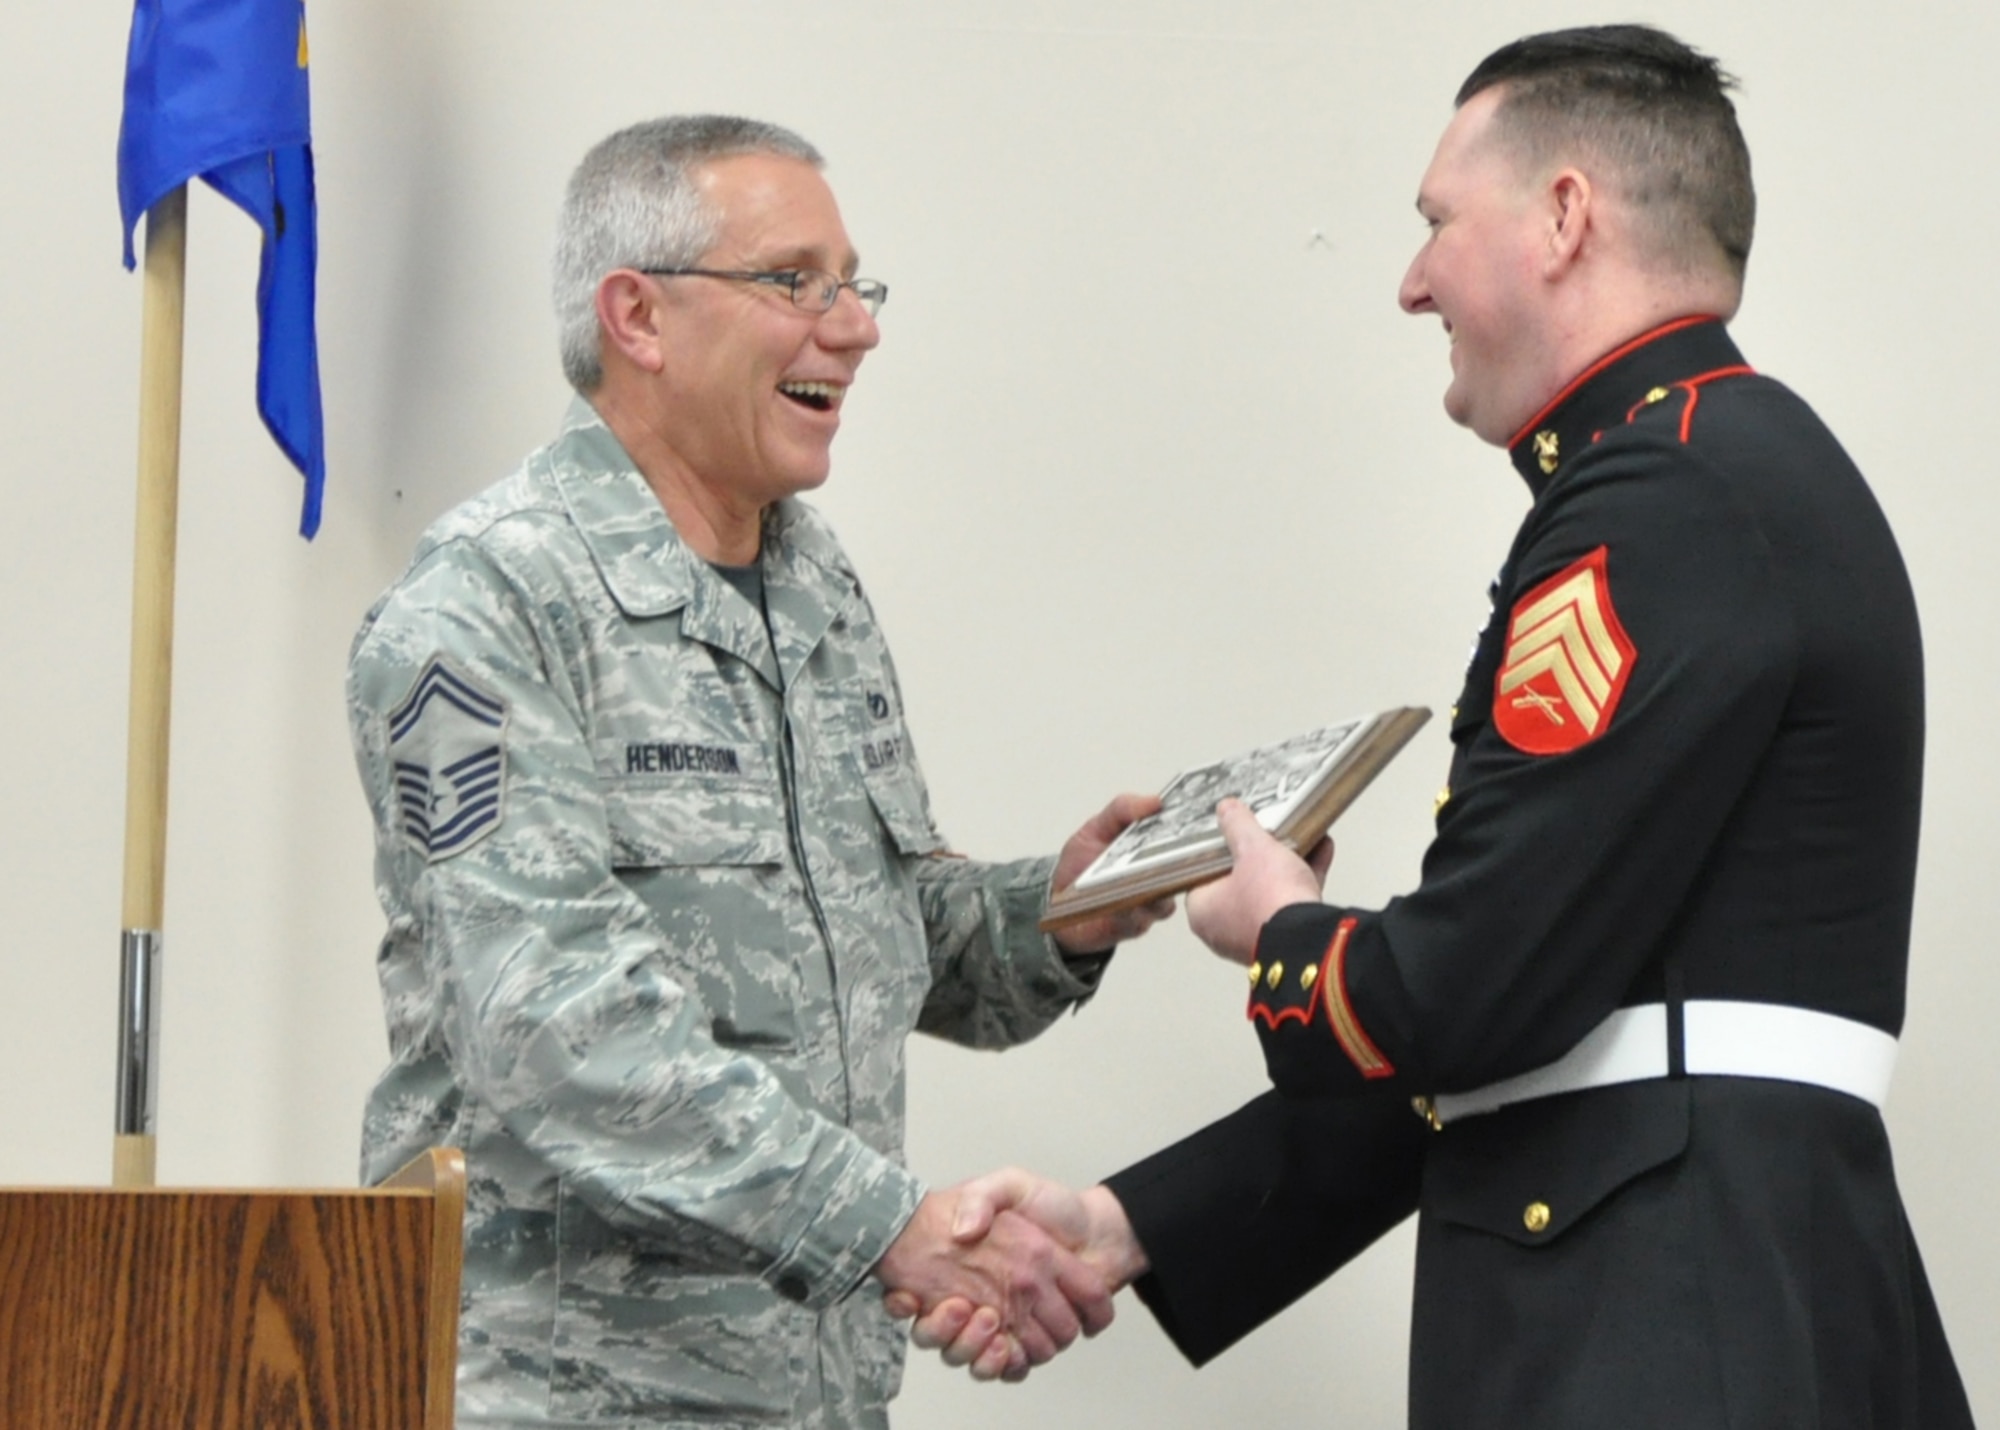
x=1027 y=1294
x=1090 y=1223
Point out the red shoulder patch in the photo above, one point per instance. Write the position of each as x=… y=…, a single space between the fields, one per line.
x=1567 y=662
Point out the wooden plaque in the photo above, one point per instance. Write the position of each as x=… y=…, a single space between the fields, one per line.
x=1296 y=788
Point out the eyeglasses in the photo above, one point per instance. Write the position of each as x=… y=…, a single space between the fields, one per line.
x=810 y=288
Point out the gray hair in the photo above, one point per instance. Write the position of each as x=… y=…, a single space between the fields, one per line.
x=632 y=203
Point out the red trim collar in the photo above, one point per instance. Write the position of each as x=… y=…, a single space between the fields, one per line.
x=1602 y=363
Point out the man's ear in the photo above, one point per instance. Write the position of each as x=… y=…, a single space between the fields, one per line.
x=628 y=319
x=1572 y=202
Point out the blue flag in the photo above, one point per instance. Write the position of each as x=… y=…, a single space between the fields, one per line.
x=217 y=88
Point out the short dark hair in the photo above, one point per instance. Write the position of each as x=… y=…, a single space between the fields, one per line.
x=1657 y=111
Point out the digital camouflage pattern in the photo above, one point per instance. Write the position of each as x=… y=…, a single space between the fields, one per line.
x=653 y=966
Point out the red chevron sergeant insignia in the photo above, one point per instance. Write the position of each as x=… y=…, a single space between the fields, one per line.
x=1567 y=662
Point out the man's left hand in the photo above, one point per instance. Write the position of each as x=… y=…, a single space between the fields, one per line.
x=1229 y=914
x=1093 y=935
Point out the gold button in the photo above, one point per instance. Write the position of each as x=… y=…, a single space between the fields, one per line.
x=1425 y=1108
x=1658 y=394
x=1443 y=799
x=1271 y=978
x=1536 y=1217
x=1256 y=972
x=1309 y=975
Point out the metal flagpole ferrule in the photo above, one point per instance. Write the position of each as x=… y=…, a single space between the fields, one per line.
x=139 y=1033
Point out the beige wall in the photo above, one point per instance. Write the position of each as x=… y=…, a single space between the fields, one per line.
x=1148 y=467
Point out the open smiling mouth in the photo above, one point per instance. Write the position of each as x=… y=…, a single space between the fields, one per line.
x=819 y=396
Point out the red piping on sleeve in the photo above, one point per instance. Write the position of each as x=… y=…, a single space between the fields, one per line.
x=1259 y=1013
x=1347 y=1029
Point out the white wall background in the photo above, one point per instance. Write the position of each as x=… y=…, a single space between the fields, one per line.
x=1148 y=467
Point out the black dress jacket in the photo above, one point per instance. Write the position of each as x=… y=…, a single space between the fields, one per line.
x=1686 y=764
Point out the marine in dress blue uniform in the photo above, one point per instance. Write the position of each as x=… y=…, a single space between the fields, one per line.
x=1624 y=1046
x=1685 y=779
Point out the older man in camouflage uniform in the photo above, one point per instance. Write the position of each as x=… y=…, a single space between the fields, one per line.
x=665 y=896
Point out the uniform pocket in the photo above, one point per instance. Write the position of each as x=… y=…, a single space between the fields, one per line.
x=1532 y=1171
x=1561 y=1268
x=708 y=857
x=695 y=820
x=901 y=806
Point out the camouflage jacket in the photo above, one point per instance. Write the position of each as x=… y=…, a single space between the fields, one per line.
x=663 y=903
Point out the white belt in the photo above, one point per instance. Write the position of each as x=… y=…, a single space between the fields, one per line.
x=1721 y=1039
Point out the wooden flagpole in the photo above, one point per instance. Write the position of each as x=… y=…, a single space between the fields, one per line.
x=134 y=1145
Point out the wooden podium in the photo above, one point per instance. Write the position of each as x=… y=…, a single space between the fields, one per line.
x=233 y=1310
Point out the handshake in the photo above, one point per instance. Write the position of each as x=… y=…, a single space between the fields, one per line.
x=1005 y=1271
